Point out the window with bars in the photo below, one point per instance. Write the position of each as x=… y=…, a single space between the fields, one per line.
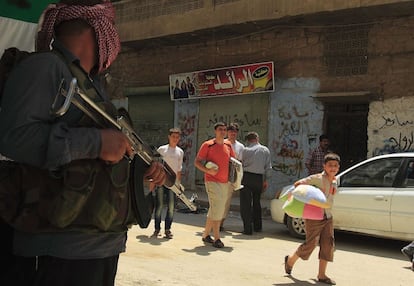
x=346 y=50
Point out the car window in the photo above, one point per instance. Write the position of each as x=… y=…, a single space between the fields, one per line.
x=378 y=173
x=409 y=179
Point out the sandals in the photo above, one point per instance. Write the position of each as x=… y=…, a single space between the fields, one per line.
x=207 y=239
x=168 y=234
x=288 y=269
x=156 y=233
x=218 y=244
x=327 y=280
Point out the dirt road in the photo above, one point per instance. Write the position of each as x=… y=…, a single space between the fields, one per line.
x=253 y=260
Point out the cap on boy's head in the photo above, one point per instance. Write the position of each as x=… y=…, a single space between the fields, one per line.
x=251 y=136
x=218 y=124
x=233 y=126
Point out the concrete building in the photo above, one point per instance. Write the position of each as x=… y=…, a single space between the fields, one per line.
x=344 y=68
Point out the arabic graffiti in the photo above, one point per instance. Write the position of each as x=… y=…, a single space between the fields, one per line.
x=294 y=169
x=290 y=139
x=292 y=125
x=394 y=120
x=243 y=121
x=290 y=156
x=401 y=143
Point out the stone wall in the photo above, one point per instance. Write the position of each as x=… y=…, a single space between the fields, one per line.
x=375 y=57
x=296 y=52
x=391 y=126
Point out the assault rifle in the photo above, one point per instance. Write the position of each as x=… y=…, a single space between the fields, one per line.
x=76 y=96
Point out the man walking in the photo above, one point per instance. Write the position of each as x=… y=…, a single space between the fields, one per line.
x=256 y=165
x=173 y=156
x=213 y=160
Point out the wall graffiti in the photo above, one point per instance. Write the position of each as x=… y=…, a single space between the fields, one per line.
x=187 y=125
x=186 y=118
x=401 y=143
x=395 y=121
x=243 y=121
x=290 y=146
x=292 y=123
x=291 y=157
x=295 y=117
x=246 y=123
x=390 y=127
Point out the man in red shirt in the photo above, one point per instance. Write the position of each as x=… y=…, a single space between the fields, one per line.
x=213 y=160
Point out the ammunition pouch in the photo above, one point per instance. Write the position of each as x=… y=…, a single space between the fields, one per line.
x=85 y=195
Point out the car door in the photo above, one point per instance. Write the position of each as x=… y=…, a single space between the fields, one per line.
x=364 y=196
x=402 y=204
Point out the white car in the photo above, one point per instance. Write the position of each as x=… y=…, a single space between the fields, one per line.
x=375 y=197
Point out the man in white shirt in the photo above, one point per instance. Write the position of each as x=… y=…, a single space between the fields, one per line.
x=173 y=156
x=232 y=133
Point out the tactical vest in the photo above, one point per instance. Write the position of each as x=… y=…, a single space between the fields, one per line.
x=85 y=195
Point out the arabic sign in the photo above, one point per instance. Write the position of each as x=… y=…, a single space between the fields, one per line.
x=252 y=78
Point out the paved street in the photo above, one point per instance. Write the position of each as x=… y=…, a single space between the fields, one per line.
x=253 y=260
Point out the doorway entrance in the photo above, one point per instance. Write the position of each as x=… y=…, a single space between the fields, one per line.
x=346 y=126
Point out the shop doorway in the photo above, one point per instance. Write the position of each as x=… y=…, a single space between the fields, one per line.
x=346 y=125
x=152 y=116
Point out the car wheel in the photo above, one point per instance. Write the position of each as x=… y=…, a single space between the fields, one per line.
x=296 y=227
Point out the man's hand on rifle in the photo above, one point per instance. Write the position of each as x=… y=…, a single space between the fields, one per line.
x=114 y=145
x=156 y=174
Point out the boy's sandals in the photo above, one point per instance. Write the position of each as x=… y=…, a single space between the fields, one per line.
x=327 y=280
x=288 y=269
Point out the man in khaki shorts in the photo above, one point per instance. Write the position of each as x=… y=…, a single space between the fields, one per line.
x=213 y=160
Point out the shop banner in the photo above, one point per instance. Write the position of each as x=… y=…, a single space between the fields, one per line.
x=237 y=80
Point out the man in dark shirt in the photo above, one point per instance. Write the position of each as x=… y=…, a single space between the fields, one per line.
x=85 y=39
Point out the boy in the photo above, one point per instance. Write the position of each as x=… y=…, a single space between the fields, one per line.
x=319 y=231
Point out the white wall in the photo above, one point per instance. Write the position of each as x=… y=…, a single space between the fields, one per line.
x=295 y=123
x=391 y=126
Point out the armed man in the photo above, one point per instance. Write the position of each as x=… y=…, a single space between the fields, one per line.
x=67 y=195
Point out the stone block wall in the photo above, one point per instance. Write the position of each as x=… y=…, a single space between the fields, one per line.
x=296 y=52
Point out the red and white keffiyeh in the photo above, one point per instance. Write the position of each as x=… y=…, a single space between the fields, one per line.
x=101 y=17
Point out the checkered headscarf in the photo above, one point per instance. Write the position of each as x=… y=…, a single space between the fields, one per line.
x=100 y=17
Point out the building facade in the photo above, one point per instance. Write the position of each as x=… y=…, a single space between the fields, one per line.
x=344 y=69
